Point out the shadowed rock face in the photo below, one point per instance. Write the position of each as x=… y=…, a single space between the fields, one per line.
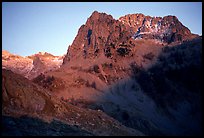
x=103 y=35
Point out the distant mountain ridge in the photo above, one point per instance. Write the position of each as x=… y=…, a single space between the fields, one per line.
x=31 y=66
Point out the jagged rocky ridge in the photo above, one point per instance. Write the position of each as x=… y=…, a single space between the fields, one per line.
x=167 y=29
x=104 y=34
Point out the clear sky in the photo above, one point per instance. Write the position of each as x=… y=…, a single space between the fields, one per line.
x=31 y=27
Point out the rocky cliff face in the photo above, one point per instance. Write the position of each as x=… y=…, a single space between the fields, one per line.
x=31 y=66
x=98 y=37
x=102 y=35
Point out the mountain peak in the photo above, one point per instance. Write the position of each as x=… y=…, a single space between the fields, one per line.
x=95 y=13
x=42 y=53
x=5 y=52
x=98 y=16
x=102 y=34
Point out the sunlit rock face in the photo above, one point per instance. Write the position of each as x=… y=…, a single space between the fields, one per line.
x=102 y=35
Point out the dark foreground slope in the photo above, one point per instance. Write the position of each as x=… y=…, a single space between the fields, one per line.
x=28 y=126
x=23 y=98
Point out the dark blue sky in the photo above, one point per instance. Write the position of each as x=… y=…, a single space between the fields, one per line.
x=32 y=27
